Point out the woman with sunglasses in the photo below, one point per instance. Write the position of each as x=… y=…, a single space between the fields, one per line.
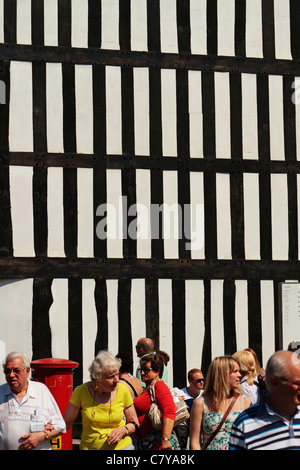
x=222 y=390
x=151 y=369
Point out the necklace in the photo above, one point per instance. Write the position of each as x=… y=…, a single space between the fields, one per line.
x=96 y=403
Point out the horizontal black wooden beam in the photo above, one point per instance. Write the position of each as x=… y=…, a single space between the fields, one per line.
x=98 y=268
x=91 y=56
x=220 y=165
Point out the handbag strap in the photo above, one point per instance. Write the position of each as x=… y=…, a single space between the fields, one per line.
x=213 y=435
x=152 y=390
x=138 y=436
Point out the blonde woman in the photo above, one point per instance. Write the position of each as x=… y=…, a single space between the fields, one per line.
x=260 y=372
x=222 y=390
x=249 y=375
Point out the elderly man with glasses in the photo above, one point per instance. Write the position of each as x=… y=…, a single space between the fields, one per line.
x=274 y=422
x=27 y=409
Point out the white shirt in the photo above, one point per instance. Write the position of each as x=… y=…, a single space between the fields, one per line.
x=188 y=398
x=251 y=391
x=36 y=409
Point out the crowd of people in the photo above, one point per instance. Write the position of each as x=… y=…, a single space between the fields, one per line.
x=238 y=405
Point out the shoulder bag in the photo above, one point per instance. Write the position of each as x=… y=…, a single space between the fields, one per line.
x=154 y=413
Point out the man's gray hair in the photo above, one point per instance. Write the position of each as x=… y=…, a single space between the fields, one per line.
x=276 y=366
x=15 y=355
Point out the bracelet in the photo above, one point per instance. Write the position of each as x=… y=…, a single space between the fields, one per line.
x=127 y=430
x=165 y=439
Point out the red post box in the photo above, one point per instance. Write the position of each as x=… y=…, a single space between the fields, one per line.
x=57 y=375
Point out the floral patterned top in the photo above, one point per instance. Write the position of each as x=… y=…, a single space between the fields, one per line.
x=211 y=421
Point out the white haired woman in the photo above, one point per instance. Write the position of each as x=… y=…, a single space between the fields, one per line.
x=108 y=413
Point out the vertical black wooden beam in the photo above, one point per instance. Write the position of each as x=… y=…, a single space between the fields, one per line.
x=184 y=215
x=41 y=331
x=212 y=27
x=278 y=315
x=178 y=333
x=94 y=22
x=155 y=112
x=40 y=210
x=240 y=28
x=64 y=23
x=182 y=98
x=264 y=175
x=75 y=326
x=209 y=151
x=208 y=106
x=37 y=22
x=268 y=29
x=152 y=310
x=292 y=218
x=157 y=242
x=254 y=316
x=236 y=135
x=40 y=145
x=129 y=221
x=128 y=174
x=263 y=121
x=39 y=106
x=183 y=26
x=99 y=173
x=10 y=21
x=4 y=107
x=124 y=25
x=99 y=110
x=229 y=317
x=183 y=152
x=153 y=25
x=127 y=111
x=295 y=30
x=6 y=246
x=69 y=174
x=70 y=211
x=69 y=111
x=210 y=216
x=265 y=215
x=124 y=316
x=237 y=215
x=102 y=317
x=207 y=353
x=289 y=115
x=236 y=178
x=155 y=131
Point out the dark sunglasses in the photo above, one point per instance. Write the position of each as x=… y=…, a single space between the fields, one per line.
x=199 y=381
x=145 y=370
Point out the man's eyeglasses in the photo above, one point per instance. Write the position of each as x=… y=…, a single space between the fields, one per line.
x=199 y=381
x=287 y=380
x=145 y=370
x=15 y=371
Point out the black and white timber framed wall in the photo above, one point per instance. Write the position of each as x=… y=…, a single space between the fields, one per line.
x=162 y=102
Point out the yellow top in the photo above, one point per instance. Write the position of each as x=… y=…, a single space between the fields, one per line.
x=99 y=420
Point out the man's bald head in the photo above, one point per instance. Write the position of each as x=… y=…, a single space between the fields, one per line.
x=144 y=346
